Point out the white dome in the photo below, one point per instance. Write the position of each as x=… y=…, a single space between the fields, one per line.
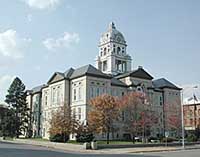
x=112 y=35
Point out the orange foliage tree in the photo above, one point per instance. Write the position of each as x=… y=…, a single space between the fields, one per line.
x=172 y=119
x=104 y=112
x=63 y=123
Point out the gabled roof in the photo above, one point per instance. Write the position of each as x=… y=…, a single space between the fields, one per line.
x=88 y=70
x=116 y=82
x=58 y=74
x=68 y=73
x=163 y=83
x=61 y=76
x=139 y=73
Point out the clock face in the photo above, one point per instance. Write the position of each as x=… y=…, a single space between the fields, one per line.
x=118 y=39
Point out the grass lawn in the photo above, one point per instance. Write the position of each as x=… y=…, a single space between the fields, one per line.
x=35 y=139
x=74 y=142
x=39 y=139
x=117 y=142
x=46 y=140
x=9 y=138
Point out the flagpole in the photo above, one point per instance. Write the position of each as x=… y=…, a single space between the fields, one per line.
x=182 y=121
x=195 y=108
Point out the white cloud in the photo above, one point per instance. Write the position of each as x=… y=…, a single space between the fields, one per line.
x=29 y=17
x=12 y=45
x=65 y=41
x=42 y=4
x=37 y=68
x=5 y=82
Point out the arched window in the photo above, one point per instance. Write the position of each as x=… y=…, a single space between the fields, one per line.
x=113 y=50
x=118 y=50
x=104 y=50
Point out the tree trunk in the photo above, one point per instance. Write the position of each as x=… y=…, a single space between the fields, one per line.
x=108 y=137
x=133 y=138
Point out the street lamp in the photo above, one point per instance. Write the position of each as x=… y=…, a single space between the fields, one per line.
x=182 y=122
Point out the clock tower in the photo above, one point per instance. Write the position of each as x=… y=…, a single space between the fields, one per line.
x=113 y=58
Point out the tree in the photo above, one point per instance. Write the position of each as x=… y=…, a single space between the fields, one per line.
x=84 y=134
x=172 y=113
x=16 y=98
x=138 y=116
x=104 y=112
x=6 y=122
x=63 y=123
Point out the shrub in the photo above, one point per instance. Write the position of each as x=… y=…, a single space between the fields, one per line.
x=192 y=138
x=59 y=138
x=150 y=139
x=169 y=139
x=84 y=137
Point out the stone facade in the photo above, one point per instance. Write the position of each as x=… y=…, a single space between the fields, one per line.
x=113 y=75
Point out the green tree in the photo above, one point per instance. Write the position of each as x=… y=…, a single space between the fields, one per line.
x=16 y=98
x=6 y=121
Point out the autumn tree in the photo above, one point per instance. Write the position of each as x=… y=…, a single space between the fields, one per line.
x=104 y=112
x=137 y=114
x=172 y=114
x=62 y=123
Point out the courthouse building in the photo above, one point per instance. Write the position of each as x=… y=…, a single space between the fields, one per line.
x=113 y=74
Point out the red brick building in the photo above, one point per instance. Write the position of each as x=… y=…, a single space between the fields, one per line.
x=192 y=116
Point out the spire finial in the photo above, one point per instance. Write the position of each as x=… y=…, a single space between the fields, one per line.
x=112 y=25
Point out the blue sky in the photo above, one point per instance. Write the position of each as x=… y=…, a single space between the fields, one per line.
x=39 y=37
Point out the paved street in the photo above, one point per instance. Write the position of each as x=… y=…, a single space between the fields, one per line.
x=21 y=150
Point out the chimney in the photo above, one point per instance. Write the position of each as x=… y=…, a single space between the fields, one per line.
x=140 y=67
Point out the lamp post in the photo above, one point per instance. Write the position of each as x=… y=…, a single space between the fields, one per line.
x=182 y=122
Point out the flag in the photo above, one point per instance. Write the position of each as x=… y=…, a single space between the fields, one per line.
x=195 y=98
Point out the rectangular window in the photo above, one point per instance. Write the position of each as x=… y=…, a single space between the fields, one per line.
x=54 y=95
x=58 y=94
x=161 y=101
x=79 y=113
x=74 y=113
x=74 y=94
x=104 y=65
x=98 y=92
x=91 y=92
x=79 y=93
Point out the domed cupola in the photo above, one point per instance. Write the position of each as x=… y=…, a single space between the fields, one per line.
x=113 y=35
x=113 y=58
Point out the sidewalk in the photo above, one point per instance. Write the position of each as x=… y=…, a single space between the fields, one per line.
x=74 y=148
